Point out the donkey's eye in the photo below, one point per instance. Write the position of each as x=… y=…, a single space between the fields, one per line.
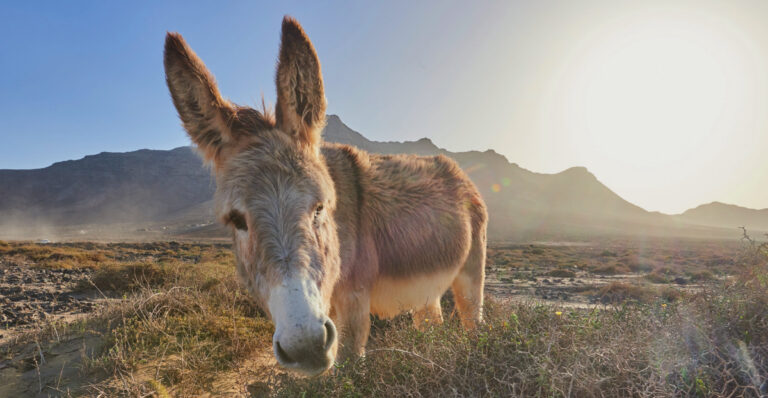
x=237 y=220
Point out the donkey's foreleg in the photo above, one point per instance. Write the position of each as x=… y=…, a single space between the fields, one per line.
x=353 y=319
x=430 y=314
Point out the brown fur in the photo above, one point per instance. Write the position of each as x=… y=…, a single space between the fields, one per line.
x=299 y=86
x=211 y=121
x=376 y=234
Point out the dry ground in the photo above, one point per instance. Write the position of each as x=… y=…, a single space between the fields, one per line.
x=610 y=318
x=586 y=274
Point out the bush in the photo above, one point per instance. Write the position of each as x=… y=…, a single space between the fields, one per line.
x=561 y=273
x=536 y=251
x=657 y=277
x=609 y=270
x=636 y=266
x=702 y=276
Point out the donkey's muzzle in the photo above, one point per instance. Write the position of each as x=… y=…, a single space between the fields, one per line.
x=307 y=349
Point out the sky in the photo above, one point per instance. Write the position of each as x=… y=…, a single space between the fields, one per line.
x=664 y=102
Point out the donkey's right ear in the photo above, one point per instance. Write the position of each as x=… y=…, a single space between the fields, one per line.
x=205 y=114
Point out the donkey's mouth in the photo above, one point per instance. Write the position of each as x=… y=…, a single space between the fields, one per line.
x=311 y=355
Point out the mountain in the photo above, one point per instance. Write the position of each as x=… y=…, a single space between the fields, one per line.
x=723 y=215
x=105 y=188
x=524 y=204
x=172 y=191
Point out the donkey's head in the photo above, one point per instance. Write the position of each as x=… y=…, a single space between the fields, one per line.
x=273 y=190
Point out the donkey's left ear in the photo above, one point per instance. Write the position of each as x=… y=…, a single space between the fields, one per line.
x=301 y=103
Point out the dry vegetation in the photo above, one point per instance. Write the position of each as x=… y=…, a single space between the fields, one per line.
x=584 y=275
x=668 y=257
x=177 y=323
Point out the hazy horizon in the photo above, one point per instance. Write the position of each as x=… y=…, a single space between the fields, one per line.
x=664 y=103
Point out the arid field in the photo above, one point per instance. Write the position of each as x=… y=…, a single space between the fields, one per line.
x=599 y=318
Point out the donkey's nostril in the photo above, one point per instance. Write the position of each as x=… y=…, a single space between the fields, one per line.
x=282 y=356
x=330 y=335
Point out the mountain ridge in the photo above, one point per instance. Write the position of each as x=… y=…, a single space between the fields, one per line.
x=726 y=215
x=157 y=186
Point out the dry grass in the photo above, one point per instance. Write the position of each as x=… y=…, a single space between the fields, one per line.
x=97 y=255
x=183 y=324
x=180 y=320
x=673 y=257
x=53 y=256
x=709 y=344
x=652 y=342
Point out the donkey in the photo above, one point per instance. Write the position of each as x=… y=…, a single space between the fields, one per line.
x=326 y=234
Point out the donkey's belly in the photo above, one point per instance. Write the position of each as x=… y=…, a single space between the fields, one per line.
x=393 y=296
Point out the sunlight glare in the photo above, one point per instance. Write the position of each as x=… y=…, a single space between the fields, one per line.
x=659 y=93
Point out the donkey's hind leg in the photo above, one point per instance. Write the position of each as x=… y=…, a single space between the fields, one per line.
x=468 y=285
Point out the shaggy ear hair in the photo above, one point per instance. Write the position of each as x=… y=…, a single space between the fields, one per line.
x=205 y=114
x=301 y=103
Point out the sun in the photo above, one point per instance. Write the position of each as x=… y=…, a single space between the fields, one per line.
x=655 y=97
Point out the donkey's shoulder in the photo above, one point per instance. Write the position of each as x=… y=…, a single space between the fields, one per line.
x=345 y=161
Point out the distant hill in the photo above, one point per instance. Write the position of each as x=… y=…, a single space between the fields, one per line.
x=150 y=188
x=106 y=188
x=723 y=215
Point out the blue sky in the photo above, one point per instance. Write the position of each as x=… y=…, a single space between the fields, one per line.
x=665 y=102
x=84 y=77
